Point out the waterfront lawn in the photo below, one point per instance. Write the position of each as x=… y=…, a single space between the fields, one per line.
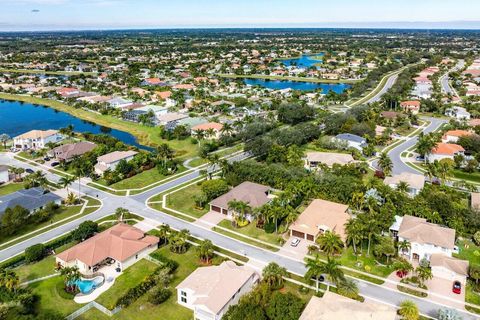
x=183 y=201
x=143 y=179
x=53 y=296
x=130 y=277
x=252 y=231
x=10 y=188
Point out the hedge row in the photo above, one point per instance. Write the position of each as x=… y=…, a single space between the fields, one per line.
x=168 y=263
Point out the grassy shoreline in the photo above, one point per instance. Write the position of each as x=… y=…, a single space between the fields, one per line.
x=282 y=78
x=148 y=136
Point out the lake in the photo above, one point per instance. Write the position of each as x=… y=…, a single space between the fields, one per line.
x=17 y=118
x=305 y=61
x=298 y=85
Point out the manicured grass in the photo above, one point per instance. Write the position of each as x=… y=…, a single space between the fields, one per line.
x=467 y=251
x=130 y=277
x=474 y=176
x=472 y=297
x=246 y=240
x=36 y=270
x=183 y=201
x=143 y=179
x=52 y=296
x=197 y=162
x=252 y=231
x=10 y=188
x=146 y=135
x=158 y=206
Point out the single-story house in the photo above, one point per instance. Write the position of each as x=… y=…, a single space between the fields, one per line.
x=36 y=139
x=449 y=268
x=216 y=127
x=334 y=306
x=415 y=182
x=4 y=175
x=452 y=136
x=445 y=151
x=170 y=120
x=458 y=113
x=210 y=291
x=123 y=243
x=256 y=195
x=69 y=151
x=425 y=238
x=352 y=140
x=391 y=115
x=314 y=159
x=320 y=216
x=31 y=199
x=111 y=160
x=412 y=105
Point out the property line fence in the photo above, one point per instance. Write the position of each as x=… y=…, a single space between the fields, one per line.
x=91 y=305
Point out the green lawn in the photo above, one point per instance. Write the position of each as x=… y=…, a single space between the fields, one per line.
x=182 y=201
x=158 y=206
x=10 y=188
x=36 y=270
x=252 y=231
x=128 y=279
x=246 y=240
x=472 y=297
x=467 y=251
x=143 y=179
x=197 y=162
x=474 y=176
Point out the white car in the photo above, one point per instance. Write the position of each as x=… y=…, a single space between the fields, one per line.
x=295 y=242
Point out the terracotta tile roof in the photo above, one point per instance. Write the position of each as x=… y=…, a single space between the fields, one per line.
x=163 y=94
x=322 y=213
x=418 y=230
x=120 y=242
x=215 y=286
x=474 y=122
x=205 y=126
x=456 y=265
x=457 y=133
x=37 y=134
x=447 y=149
x=252 y=193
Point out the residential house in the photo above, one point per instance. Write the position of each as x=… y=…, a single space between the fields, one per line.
x=412 y=106
x=4 y=176
x=256 y=195
x=67 y=152
x=314 y=159
x=216 y=127
x=452 y=136
x=68 y=92
x=425 y=238
x=170 y=120
x=449 y=268
x=352 y=140
x=333 y=306
x=123 y=243
x=445 y=151
x=36 y=139
x=31 y=199
x=153 y=82
x=320 y=216
x=210 y=291
x=111 y=160
x=414 y=181
x=458 y=113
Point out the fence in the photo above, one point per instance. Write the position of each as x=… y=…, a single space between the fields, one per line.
x=91 y=305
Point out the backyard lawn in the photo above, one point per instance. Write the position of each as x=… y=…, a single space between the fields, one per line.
x=468 y=251
x=10 y=188
x=252 y=231
x=53 y=297
x=36 y=270
x=183 y=201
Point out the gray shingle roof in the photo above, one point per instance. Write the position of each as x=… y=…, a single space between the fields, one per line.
x=30 y=199
x=350 y=137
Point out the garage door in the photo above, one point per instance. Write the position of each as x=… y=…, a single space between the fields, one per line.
x=310 y=237
x=298 y=234
x=216 y=209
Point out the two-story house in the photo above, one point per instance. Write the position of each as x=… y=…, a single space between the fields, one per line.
x=111 y=160
x=36 y=139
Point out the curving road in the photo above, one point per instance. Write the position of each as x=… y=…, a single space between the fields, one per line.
x=444 y=80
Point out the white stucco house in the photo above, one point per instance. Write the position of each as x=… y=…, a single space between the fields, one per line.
x=210 y=291
x=458 y=113
x=415 y=182
x=111 y=160
x=36 y=139
x=445 y=151
x=352 y=140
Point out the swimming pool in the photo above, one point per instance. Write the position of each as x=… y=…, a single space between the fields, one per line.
x=86 y=286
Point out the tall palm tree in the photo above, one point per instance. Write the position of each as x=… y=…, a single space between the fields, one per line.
x=205 y=251
x=273 y=275
x=423 y=273
x=348 y=288
x=332 y=269
x=163 y=233
x=79 y=173
x=314 y=270
x=121 y=213
x=354 y=233
x=71 y=275
x=4 y=139
x=330 y=243
x=403 y=246
x=165 y=153
x=66 y=181
x=403 y=186
x=227 y=129
x=409 y=310
x=385 y=163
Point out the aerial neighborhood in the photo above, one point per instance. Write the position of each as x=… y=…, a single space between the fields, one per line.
x=240 y=174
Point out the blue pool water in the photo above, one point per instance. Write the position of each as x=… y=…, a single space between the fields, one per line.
x=297 y=85
x=305 y=61
x=17 y=118
x=86 y=286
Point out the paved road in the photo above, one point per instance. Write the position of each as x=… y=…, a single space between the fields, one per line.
x=444 y=80
x=390 y=82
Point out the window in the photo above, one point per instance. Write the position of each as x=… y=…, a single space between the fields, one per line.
x=136 y=256
x=184 y=300
x=183 y=293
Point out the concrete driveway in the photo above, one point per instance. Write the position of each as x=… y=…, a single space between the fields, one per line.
x=210 y=219
x=299 y=252
x=439 y=286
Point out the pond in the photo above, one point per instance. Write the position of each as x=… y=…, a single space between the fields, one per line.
x=17 y=118
x=298 y=85
x=305 y=61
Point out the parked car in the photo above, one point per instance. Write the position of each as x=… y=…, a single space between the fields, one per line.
x=295 y=242
x=457 y=287
x=54 y=164
x=420 y=158
x=46 y=159
x=29 y=170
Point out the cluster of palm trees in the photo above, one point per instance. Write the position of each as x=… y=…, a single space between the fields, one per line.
x=9 y=280
x=239 y=210
x=70 y=276
x=385 y=163
x=17 y=173
x=36 y=179
x=439 y=169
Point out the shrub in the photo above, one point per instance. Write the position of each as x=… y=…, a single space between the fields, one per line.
x=269 y=227
x=167 y=263
x=214 y=188
x=35 y=253
x=476 y=238
x=159 y=295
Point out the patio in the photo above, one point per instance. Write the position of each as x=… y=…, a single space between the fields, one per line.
x=110 y=274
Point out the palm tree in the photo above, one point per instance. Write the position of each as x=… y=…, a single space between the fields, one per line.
x=9 y=279
x=348 y=288
x=409 y=310
x=424 y=273
x=200 y=136
x=205 y=251
x=314 y=270
x=354 y=233
x=431 y=170
x=403 y=265
x=121 y=213
x=71 y=275
x=385 y=163
x=239 y=210
x=66 y=181
x=210 y=132
x=330 y=243
x=444 y=169
x=163 y=233
x=332 y=269
x=403 y=186
x=273 y=275
x=403 y=246
x=4 y=139
x=227 y=129
x=165 y=153
x=78 y=175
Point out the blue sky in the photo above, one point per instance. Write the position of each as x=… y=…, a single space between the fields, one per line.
x=100 y=14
